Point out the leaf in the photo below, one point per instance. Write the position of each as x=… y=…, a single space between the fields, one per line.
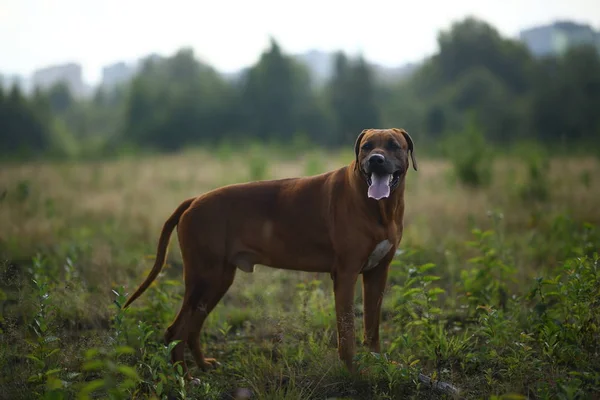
x=53 y=384
x=128 y=372
x=150 y=333
x=410 y=282
x=126 y=385
x=52 y=353
x=54 y=394
x=73 y=375
x=93 y=365
x=430 y=278
x=434 y=291
x=172 y=345
x=91 y=353
x=90 y=388
x=411 y=292
x=124 y=350
x=53 y=371
x=425 y=267
x=476 y=260
x=50 y=339
x=39 y=362
x=552 y=293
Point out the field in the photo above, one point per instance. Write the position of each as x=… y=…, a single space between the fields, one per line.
x=496 y=289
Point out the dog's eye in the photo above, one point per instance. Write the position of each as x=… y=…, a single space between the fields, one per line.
x=393 y=145
x=367 y=146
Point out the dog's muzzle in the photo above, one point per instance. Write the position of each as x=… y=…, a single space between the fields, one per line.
x=381 y=176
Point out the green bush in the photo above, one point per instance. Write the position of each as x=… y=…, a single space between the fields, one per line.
x=258 y=165
x=470 y=155
x=537 y=162
x=314 y=164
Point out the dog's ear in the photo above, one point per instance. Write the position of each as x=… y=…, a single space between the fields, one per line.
x=411 y=146
x=357 y=146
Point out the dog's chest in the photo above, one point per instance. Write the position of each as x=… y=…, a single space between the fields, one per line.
x=378 y=253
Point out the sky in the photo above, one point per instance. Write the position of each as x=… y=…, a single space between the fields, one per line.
x=231 y=34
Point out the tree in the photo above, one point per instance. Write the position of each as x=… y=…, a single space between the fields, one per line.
x=60 y=98
x=177 y=102
x=277 y=101
x=566 y=96
x=24 y=129
x=474 y=43
x=352 y=97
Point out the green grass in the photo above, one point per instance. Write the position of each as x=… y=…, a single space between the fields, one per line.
x=496 y=289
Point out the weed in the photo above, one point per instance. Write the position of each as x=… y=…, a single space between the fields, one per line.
x=314 y=164
x=258 y=166
x=45 y=342
x=536 y=186
x=470 y=155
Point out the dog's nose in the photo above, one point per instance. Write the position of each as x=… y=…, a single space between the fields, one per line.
x=376 y=159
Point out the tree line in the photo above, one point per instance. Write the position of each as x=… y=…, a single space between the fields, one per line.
x=475 y=76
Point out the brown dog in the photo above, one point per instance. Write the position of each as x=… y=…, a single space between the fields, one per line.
x=345 y=222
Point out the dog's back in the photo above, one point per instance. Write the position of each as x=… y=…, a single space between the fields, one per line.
x=277 y=223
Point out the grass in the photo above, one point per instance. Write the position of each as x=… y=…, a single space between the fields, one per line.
x=496 y=289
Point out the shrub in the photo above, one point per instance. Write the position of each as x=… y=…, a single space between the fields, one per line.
x=470 y=155
x=536 y=185
x=258 y=166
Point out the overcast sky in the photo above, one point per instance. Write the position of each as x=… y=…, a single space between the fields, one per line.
x=231 y=34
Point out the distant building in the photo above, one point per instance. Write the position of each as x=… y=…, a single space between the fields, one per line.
x=558 y=37
x=116 y=74
x=122 y=72
x=321 y=66
x=70 y=74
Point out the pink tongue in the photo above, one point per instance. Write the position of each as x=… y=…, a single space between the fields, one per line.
x=380 y=186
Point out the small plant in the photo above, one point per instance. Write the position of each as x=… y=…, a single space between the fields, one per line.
x=45 y=343
x=387 y=374
x=225 y=151
x=112 y=377
x=258 y=166
x=416 y=304
x=314 y=164
x=23 y=190
x=470 y=155
x=536 y=186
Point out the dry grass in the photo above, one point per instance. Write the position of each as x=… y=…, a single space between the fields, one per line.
x=134 y=196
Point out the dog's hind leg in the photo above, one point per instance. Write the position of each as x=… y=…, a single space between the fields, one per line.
x=200 y=282
x=178 y=330
x=220 y=282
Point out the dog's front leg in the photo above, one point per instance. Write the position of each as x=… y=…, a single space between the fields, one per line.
x=344 y=284
x=374 y=282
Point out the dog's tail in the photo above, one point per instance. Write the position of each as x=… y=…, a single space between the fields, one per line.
x=161 y=251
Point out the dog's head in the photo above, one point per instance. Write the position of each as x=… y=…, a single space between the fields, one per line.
x=382 y=159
